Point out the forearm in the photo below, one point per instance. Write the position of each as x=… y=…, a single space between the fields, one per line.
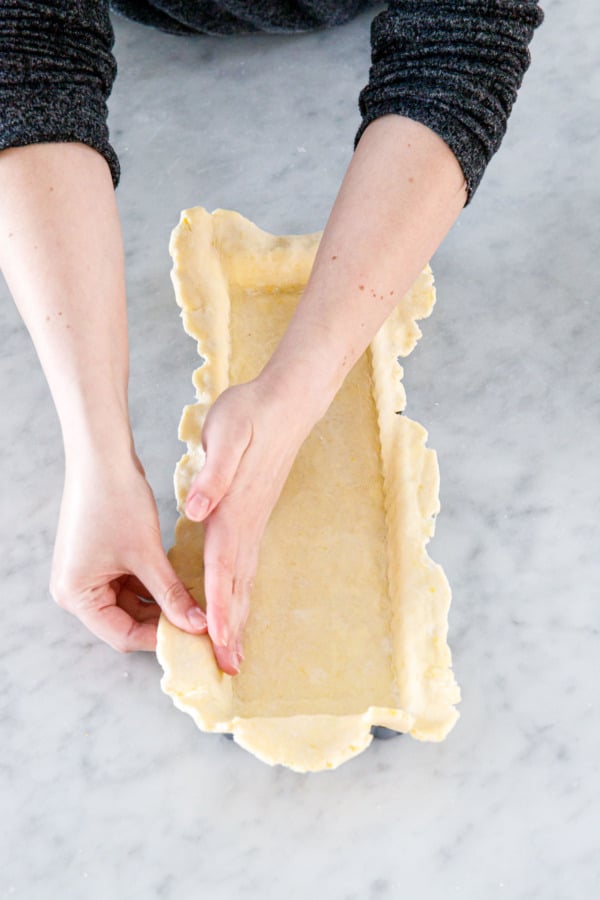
x=61 y=254
x=401 y=194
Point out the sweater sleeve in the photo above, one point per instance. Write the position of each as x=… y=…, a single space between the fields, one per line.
x=56 y=73
x=453 y=65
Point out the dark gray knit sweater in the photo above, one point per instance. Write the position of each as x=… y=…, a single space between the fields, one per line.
x=454 y=65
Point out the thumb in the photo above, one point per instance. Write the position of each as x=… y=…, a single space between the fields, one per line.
x=172 y=596
x=225 y=443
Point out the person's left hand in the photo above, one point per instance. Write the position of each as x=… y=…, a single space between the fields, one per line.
x=251 y=439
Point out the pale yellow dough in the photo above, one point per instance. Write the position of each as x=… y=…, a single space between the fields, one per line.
x=348 y=618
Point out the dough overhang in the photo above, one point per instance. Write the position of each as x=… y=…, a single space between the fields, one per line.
x=348 y=620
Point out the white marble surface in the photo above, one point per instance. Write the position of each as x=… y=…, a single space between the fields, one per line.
x=107 y=790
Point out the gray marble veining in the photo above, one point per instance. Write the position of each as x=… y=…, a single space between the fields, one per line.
x=108 y=791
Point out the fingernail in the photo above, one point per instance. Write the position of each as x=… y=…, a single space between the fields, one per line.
x=196 y=618
x=196 y=506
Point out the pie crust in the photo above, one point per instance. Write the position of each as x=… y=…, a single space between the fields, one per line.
x=348 y=621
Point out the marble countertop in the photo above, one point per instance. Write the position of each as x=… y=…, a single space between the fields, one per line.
x=107 y=790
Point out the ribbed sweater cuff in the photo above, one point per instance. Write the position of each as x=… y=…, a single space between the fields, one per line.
x=453 y=65
x=56 y=73
x=71 y=114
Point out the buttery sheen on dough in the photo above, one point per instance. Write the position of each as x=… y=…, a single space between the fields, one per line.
x=348 y=619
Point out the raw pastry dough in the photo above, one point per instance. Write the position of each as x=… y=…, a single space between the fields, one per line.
x=348 y=619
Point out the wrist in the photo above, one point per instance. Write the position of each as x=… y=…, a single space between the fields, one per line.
x=298 y=386
x=99 y=435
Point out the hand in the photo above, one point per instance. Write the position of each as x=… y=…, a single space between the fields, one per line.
x=109 y=554
x=251 y=440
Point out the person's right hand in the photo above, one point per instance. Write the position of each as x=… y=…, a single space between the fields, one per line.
x=108 y=555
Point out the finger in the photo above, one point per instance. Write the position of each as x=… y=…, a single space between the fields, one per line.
x=226 y=660
x=173 y=598
x=225 y=444
x=114 y=625
x=243 y=584
x=220 y=552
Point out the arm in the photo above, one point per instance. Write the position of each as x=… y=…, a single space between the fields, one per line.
x=442 y=84
x=402 y=192
x=61 y=254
